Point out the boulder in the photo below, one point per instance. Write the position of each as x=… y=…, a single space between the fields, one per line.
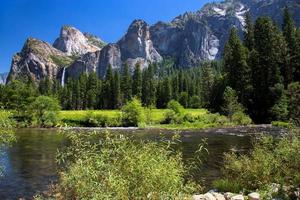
x=218 y=196
x=254 y=196
x=237 y=197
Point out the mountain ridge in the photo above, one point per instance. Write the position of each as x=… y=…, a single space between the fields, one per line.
x=189 y=39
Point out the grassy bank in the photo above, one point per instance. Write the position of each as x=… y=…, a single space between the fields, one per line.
x=154 y=118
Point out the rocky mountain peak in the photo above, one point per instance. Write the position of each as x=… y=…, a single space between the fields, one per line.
x=137 y=44
x=73 y=42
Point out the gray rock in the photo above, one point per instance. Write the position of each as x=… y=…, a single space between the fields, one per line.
x=3 y=78
x=88 y=63
x=38 y=60
x=254 y=196
x=136 y=45
x=73 y=42
x=109 y=55
x=237 y=197
x=218 y=196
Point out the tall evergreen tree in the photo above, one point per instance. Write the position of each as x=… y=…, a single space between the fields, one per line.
x=265 y=63
x=249 y=32
x=116 y=91
x=207 y=84
x=289 y=33
x=137 y=82
x=237 y=70
x=126 y=84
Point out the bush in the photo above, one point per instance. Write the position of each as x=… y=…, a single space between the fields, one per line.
x=118 y=168
x=45 y=111
x=6 y=133
x=282 y=124
x=225 y=185
x=271 y=161
x=195 y=102
x=240 y=118
x=176 y=107
x=132 y=113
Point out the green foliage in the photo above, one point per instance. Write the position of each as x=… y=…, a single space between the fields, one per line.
x=118 y=168
x=293 y=93
x=231 y=104
x=195 y=102
x=240 y=118
x=237 y=70
x=45 y=111
x=7 y=136
x=62 y=61
x=225 y=185
x=133 y=113
x=270 y=161
x=282 y=124
x=176 y=107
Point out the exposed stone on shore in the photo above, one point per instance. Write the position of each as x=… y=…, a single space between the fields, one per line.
x=226 y=196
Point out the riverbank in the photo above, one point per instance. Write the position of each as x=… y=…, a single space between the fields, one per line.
x=229 y=130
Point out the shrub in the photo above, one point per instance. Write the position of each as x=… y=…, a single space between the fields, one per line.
x=195 y=102
x=282 y=124
x=118 y=168
x=45 y=111
x=293 y=94
x=171 y=118
x=176 y=107
x=225 y=185
x=271 y=161
x=240 y=118
x=132 y=113
x=6 y=133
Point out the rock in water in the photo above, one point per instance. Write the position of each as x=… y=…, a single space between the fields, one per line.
x=73 y=42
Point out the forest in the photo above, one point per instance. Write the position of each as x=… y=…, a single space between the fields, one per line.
x=263 y=70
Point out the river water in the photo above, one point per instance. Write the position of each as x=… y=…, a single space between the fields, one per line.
x=30 y=164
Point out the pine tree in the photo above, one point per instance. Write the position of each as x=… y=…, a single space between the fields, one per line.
x=116 y=91
x=92 y=88
x=237 y=70
x=207 y=83
x=289 y=33
x=249 y=32
x=126 y=84
x=265 y=62
x=149 y=87
x=108 y=101
x=137 y=82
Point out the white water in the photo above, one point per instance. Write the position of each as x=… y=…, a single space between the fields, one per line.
x=63 y=77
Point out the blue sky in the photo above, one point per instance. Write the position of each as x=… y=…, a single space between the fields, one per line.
x=108 y=19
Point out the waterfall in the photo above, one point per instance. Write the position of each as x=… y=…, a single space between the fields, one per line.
x=63 y=77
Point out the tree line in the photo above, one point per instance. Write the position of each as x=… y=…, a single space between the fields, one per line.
x=262 y=70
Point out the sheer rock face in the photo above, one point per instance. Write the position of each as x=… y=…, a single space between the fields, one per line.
x=38 y=60
x=109 y=55
x=137 y=44
x=3 y=77
x=88 y=63
x=73 y=42
x=190 y=39
x=195 y=37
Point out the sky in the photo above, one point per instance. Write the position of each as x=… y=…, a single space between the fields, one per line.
x=107 y=19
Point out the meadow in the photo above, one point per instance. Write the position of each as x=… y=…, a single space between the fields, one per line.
x=154 y=118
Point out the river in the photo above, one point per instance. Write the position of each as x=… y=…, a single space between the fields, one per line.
x=30 y=164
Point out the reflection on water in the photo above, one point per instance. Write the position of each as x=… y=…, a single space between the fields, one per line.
x=30 y=163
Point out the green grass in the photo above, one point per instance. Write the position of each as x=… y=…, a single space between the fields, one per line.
x=156 y=116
